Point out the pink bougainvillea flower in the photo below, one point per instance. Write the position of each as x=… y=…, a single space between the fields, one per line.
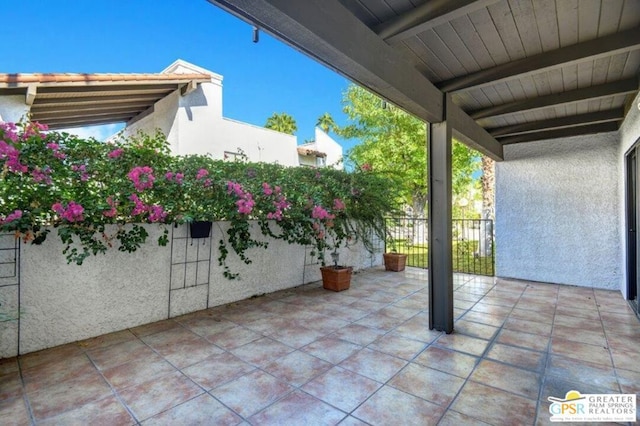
x=41 y=175
x=366 y=167
x=142 y=177
x=116 y=153
x=157 y=213
x=338 y=204
x=179 y=177
x=112 y=211
x=266 y=189
x=73 y=212
x=168 y=175
x=139 y=207
x=17 y=214
x=320 y=213
x=10 y=131
x=202 y=173
x=11 y=155
x=207 y=183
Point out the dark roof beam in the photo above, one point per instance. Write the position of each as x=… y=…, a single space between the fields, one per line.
x=589 y=50
x=426 y=16
x=558 y=123
x=621 y=87
x=589 y=129
x=328 y=32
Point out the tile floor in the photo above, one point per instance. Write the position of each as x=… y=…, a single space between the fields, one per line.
x=363 y=356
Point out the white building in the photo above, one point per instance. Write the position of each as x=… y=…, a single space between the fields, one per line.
x=184 y=101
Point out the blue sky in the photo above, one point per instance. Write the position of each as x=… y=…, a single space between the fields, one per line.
x=147 y=35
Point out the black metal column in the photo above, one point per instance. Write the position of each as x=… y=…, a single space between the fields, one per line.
x=440 y=235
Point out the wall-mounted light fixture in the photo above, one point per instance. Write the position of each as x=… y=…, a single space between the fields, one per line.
x=256 y=34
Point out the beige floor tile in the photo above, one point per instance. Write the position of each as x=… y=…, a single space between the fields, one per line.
x=446 y=360
x=342 y=388
x=374 y=365
x=390 y=406
x=480 y=402
x=515 y=380
x=427 y=383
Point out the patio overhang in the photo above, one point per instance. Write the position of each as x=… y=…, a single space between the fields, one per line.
x=487 y=72
x=75 y=100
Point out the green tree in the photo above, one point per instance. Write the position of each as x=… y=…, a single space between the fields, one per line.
x=326 y=122
x=393 y=142
x=282 y=122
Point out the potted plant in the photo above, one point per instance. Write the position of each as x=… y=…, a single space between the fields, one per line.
x=394 y=261
x=200 y=228
x=336 y=277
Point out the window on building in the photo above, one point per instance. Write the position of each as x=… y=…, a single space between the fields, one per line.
x=321 y=161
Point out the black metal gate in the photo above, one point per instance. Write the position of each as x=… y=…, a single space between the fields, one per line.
x=473 y=243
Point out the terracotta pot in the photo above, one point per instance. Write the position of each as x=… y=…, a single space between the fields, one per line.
x=200 y=229
x=336 y=278
x=394 y=261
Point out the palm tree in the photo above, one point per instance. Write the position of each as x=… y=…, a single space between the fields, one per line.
x=282 y=122
x=326 y=122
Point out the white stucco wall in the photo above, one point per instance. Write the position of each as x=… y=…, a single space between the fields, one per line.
x=558 y=212
x=324 y=143
x=257 y=143
x=61 y=303
x=13 y=108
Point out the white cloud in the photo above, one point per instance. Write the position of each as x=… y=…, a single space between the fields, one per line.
x=101 y=132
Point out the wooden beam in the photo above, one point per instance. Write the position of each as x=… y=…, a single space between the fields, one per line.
x=426 y=16
x=588 y=50
x=609 y=89
x=439 y=154
x=328 y=32
x=561 y=133
x=81 y=113
x=45 y=109
x=60 y=124
x=120 y=89
x=188 y=88
x=471 y=133
x=98 y=100
x=561 y=122
x=30 y=96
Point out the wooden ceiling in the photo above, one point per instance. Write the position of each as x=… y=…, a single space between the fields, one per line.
x=523 y=70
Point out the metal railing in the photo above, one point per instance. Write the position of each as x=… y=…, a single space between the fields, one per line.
x=473 y=244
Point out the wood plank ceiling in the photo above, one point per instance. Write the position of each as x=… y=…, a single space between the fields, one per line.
x=523 y=69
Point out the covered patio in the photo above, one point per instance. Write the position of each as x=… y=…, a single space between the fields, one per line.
x=362 y=356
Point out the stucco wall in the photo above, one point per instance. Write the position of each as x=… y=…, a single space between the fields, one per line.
x=60 y=303
x=557 y=212
x=325 y=144
x=13 y=108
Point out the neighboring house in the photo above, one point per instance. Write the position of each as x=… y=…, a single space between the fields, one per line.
x=184 y=101
x=321 y=152
x=194 y=124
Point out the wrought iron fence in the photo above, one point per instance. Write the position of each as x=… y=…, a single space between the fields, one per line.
x=473 y=244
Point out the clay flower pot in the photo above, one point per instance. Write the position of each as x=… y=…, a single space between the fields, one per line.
x=394 y=261
x=336 y=278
